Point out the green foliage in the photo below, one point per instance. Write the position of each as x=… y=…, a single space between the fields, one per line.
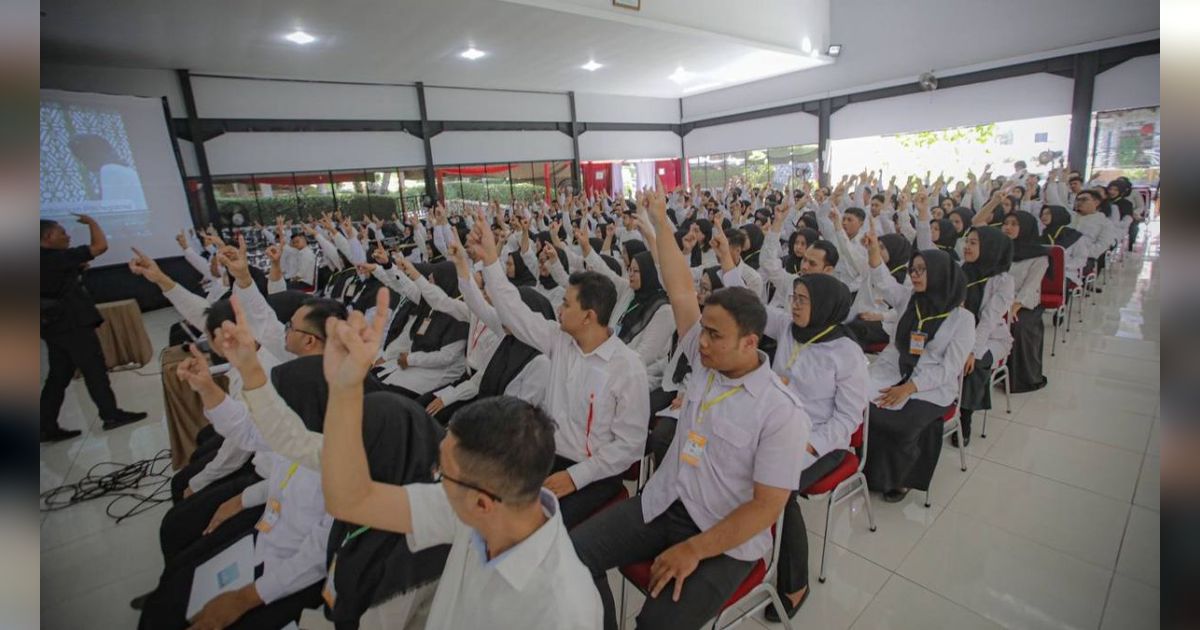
x=979 y=134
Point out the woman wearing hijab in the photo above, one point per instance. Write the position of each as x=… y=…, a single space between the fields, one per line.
x=642 y=316
x=1057 y=230
x=917 y=375
x=437 y=352
x=755 y=236
x=868 y=326
x=941 y=236
x=798 y=243
x=553 y=273
x=987 y=256
x=518 y=271
x=1031 y=259
x=961 y=218
x=782 y=273
x=818 y=359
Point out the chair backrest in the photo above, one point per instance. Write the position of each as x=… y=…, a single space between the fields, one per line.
x=1055 y=282
x=858 y=441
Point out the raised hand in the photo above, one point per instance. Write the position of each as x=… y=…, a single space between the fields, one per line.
x=274 y=253
x=182 y=240
x=351 y=345
x=236 y=341
x=194 y=370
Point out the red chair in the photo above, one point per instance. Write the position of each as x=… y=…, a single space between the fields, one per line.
x=1054 y=292
x=759 y=585
x=952 y=425
x=875 y=348
x=843 y=483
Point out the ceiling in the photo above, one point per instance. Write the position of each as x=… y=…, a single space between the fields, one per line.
x=530 y=45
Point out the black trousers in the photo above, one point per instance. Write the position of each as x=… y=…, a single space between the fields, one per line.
x=905 y=446
x=167 y=605
x=77 y=348
x=581 y=504
x=793 y=546
x=618 y=536
x=184 y=523
x=661 y=436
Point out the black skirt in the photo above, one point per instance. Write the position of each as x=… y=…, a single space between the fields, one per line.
x=1025 y=362
x=977 y=391
x=904 y=445
x=868 y=333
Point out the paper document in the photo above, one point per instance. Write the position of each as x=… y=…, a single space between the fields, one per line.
x=229 y=570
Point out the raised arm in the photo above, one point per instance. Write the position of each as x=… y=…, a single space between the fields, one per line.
x=98 y=243
x=676 y=275
x=521 y=321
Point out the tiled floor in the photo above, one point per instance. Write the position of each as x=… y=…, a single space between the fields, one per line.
x=1055 y=523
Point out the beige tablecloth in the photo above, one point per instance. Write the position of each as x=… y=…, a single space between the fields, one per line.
x=185 y=411
x=123 y=335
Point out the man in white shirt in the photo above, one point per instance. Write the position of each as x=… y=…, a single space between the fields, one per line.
x=738 y=243
x=598 y=394
x=511 y=564
x=1098 y=231
x=299 y=264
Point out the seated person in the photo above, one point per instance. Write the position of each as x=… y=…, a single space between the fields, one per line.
x=704 y=518
x=1031 y=259
x=868 y=326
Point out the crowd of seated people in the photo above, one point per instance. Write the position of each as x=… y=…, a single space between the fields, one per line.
x=432 y=421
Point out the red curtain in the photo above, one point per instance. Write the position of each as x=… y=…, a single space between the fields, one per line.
x=669 y=172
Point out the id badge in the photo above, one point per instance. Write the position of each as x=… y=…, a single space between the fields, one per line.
x=693 y=450
x=329 y=593
x=424 y=325
x=916 y=343
x=270 y=517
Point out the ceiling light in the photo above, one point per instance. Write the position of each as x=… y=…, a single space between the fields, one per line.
x=472 y=54
x=300 y=37
x=834 y=50
x=680 y=75
x=592 y=66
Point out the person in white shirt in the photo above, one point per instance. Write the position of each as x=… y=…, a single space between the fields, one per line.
x=843 y=229
x=917 y=376
x=1031 y=260
x=598 y=394
x=299 y=264
x=704 y=518
x=511 y=563
x=1099 y=232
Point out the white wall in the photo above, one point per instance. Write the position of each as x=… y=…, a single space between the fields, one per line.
x=477 y=147
x=628 y=145
x=266 y=152
x=763 y=133
x=1017 y=98
x=633 y=109
x=107 y=80
x=886 y=43
x=1131 y=84
x=463 y=104
x=220 y=97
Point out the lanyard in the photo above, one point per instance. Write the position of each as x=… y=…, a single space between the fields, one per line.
x=1054 y=237
x=354 y=534
x=588 y=431
x=921 y=320
x=291 y=471
x=796 y=351
x=898 y=268
x=979 y=281
x=478 y=334
x=711 y=403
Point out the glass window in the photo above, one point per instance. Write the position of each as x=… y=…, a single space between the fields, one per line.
x=314 y=193
x=474 y=187
x=383 y=192
x=412 y=190
x=525 y=186
x=353 y=196
x=735 y=170
x=805 y=164
x=449 y=182
x=499 y=187
x=757 y=173
x=237 y=203
x=695 y=176
x=562 y=178
x=716 y=172
x=1126 y=143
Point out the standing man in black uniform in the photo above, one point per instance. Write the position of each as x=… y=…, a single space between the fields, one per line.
x=68 y=323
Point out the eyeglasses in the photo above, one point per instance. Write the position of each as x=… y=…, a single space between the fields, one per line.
x=439 y=476
x=799 y=300
x=916 y=271
x=288 y=327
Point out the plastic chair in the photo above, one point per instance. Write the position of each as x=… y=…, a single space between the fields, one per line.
x=875 y=348
x=952 y=425
x=843 y=482
x=999 y=374
x=759 y=585
x=1054 y=292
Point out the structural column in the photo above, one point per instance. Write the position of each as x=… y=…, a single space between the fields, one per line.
x=431 y=190
x=824 y=114
x=1086 y=67
x=194 y=130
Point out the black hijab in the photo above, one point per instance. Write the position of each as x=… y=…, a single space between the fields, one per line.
x=511 y=355
x=1060 y=232
x=791 y=262
x=947 y=237
x=522 y=277
x=830 y=301
x=966 y=215
x=754 y=247
x=945 y=289
x=374 y=566
x=995 y=257
x=646 y=300
x=899 y=251
x=1027 y=244
x=301 y=384
x=633 y=247
x=547 y=281
x=612 y=263
x=441 y=328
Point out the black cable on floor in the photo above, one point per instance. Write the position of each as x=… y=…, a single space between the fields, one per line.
x=147 y=483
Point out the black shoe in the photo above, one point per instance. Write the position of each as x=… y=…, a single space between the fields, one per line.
x=772 y=615
x=123 y=418
x=954 y=440
x=139 y=602
x=59 y=434
x=895 y=496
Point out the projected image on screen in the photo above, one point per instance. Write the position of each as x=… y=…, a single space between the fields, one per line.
x=110 y=157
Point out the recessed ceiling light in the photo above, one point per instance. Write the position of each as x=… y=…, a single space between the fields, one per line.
x=834 y=50
x=680 y=75
x=592 y=66
x=471 y=53
x=300 y=37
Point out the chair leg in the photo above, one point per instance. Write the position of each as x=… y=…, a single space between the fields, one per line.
x=775 y=601
x=983 y=428
x=824 y=540
x=867 y=497
x=1007 y=392
x=962 y=451
x=1054 y=342
x=621 y=608
x=927 y=501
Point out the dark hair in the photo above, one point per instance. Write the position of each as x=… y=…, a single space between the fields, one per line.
x=506 y=444
x=858 y=212
x=44 y=227
x=595 y=293
x=1091 y=193
x=1019 y=164
x=1075 y=178
x=321 y=309
x=737 y=238
x=831 y=252
x=745 y=307
x=220 y=312
x=878 y=197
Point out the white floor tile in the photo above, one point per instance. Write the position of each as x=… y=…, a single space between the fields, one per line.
x=91 y=562
x=1140 y=551
x=1010 y=580
x=1122 y=429
x=904 y=605
x=1147 y=493
x=1104 y=469
x=899 y=527
x=1131 y=606
x=851 y=583
x=1083 y=524
x=1069 y=390
x=103 y=607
